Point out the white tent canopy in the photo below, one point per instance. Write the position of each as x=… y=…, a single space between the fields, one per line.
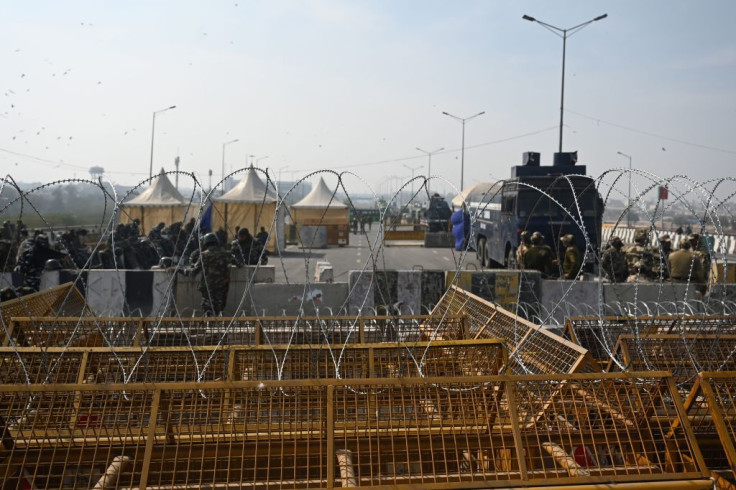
x=475 y=192
x=161 y=192
x=320 y=197
x=160 y=202
x=250 y=189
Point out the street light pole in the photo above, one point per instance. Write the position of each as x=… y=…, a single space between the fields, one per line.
x=564 y=34
x=429 y=164
x=224 y=145
x=153 y=135
x=412 y=176
x=462 y=150
x=628 y=199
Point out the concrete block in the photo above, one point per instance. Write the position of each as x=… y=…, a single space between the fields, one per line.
x=646 y=298
x=164 y=292
x=409 y=292
x=10 y=279
x=433 y=288
x=288 y=299
x=323 y=272
x=189 y=299
x=561 y=298
x=720 y=293
x=501 y=286
x=439 y=239
x=361 y=287
x=106 y=292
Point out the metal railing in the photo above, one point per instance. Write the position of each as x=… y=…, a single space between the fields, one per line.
x=441 y=432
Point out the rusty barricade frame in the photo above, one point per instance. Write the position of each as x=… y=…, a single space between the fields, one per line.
x=444 y=432
x=711 y=410
x=62 y=300
x=261 y=362
x=534 y=349
x=175 y=331
x=589 y=331
x=675 y=353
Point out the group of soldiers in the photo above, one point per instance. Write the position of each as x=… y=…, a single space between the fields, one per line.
x=213 y=265
x=641 y=262
x=535 y=254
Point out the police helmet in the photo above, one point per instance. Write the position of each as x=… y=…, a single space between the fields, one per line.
x=52 y=265
x=616 y=240
x=161 y=225
x=665 y=238
x=567 y=239
x=210 y=239
x=42 y=239
x=537 y=238
x=165 y=262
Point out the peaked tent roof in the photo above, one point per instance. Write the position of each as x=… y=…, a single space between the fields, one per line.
x=320 y=198
x=161 y=192
x=250 y=189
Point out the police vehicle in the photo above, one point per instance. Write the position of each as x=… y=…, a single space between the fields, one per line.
x=537 y=198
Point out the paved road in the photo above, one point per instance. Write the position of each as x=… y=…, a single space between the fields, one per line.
x=364 y=252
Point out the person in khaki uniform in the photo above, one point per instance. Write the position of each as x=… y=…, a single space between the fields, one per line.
x=573 y=260
x=526 y=244
x=539 y=256
x=685 y=265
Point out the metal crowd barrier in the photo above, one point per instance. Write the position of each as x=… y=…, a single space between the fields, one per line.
x=593 y=430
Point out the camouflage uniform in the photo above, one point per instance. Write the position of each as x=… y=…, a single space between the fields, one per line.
x=214 y=265
x=33 y=260
x=660 y=255
x=640 y=253
x=699 y=250
x=613 y=261
x=573 y=260
x=242 y=248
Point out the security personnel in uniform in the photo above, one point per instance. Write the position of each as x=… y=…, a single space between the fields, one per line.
x=539 y=256
x=639 y=252
x=661 y=254
x=33 y=260
x=685 y=265
x=613 y=261
x=698 y=248
x=214 y=265
x=573 y=261
x=526 y=244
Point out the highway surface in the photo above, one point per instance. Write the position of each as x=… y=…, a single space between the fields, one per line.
x=365 y=253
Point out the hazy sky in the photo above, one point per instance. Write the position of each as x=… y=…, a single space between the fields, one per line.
x=357 y=85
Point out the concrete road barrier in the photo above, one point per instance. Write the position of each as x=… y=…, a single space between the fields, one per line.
x=439 y=239
x=410 y=292
x=503 y=287
x=418 y=235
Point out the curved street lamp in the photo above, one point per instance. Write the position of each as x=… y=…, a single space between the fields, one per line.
x=564 y=34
